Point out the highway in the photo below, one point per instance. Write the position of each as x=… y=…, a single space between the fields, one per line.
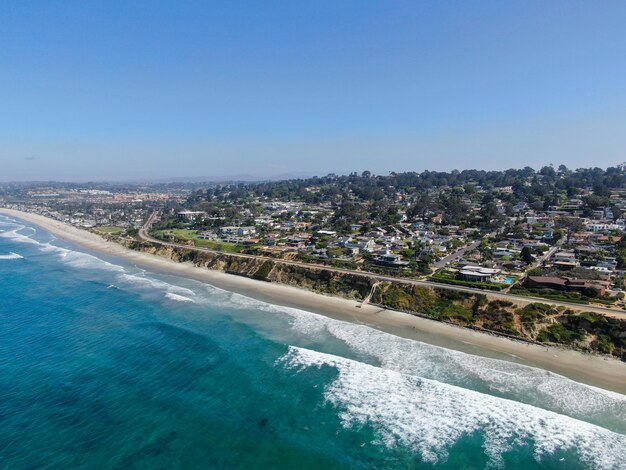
x=143 y=234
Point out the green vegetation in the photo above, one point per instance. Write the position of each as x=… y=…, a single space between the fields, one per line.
x=448 y=277
x=526 y=255
x=110 y=229
x=264 y=270
x=397 y=299
x=604 y=344
x=530 y=322
x=533 y=312
x=183 y=236
x=560 y=296
x=451 y=311
x=534 y=322
x=592 y=318
x=558 y=333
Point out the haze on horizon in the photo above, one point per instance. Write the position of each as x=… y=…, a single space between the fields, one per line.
x=150 y=90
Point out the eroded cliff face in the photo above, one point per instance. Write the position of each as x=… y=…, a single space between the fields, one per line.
x=352 y=286
x=535 y=322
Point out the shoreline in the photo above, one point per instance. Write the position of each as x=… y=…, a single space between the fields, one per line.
x=591 y=369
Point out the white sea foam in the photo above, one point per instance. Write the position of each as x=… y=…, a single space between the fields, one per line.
x=510 y=380
x=178 y=298
x=147 y=282
x=81 y=260
x=76 y=259
x=507 y=379
x=11 y=255
x=15 y=236
x=429 y=417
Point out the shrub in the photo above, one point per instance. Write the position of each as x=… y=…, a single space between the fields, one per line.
x=603 y=344
x=397 y=298
x=533 y=311
x=558 y=333
x=263 y=270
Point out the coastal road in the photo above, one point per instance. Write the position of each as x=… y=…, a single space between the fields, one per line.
x=143 y=234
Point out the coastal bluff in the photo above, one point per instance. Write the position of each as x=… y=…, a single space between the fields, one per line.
x=535 y=322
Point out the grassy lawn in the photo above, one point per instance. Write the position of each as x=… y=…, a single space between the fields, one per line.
x=111 y=229
x=446 y=276
x=219 y=245
x=561 y=296
x=182 y=235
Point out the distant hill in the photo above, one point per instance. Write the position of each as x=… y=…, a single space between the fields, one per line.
x=243 y=178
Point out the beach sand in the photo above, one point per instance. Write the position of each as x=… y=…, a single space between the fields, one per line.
x=591 y=369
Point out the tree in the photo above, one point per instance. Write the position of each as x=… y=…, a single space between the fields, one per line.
x=570 y=225
x=489 y=215
x=527 y=255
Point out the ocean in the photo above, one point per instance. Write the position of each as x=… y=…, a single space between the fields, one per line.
x=106 y=365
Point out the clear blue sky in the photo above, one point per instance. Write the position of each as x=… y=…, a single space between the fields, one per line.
x=147 y=89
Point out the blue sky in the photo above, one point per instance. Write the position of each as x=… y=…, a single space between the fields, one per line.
x=138 y=90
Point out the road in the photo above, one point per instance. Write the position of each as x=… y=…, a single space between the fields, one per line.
x=457 y=255
x=547 y=255
x=143 y=234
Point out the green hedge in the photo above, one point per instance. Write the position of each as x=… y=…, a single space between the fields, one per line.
x=478 y=285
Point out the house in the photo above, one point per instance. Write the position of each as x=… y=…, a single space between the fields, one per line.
x=190 y=216
x=330 y=233
x=565 y=260
x=503 y=254
x=519 y=207
x=565 y=284
x=352 y=251
x=609 y=262
x=319 y=253
x=603 y=272
x=477 y=273
x=296 y=241
x=599 y=213
x=361 y=245
x=271 y=239
x=391 y=260
x=600 y=227
x=504 y=189
x=206 y=235
x=240 y=231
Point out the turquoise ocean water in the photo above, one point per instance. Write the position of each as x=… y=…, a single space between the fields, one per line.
x=105 y=365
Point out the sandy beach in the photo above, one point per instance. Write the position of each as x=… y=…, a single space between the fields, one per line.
x=595 y=370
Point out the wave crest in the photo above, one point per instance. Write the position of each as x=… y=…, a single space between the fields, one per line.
x=429 y=417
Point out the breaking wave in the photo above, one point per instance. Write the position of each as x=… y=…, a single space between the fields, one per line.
x=15 y=236
x=502 y=378
x=178 y=298
x=429 y=417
